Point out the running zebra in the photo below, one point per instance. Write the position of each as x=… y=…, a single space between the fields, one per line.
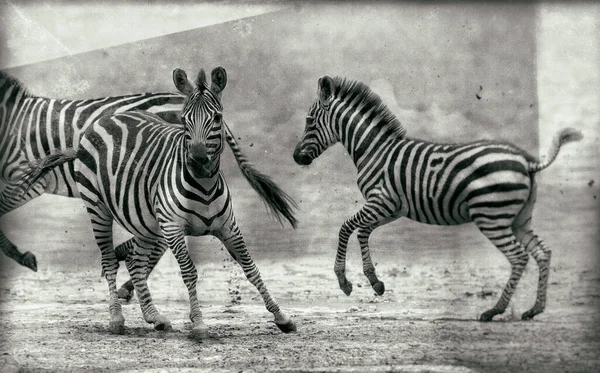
x=34 y=127
x=489 y=183
x=162 y=182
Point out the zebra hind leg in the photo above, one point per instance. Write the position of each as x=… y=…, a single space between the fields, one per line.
x=504 y=239
x=542 y=256
x=102 y=226
x=122 y=251
x=534 y=246
x=126 y=291
x=234 y=242
x=137 y=265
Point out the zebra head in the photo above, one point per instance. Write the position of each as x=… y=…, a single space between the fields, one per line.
x=202 y=115
x=318 y=133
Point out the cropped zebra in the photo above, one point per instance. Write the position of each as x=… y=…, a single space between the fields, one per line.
x=162 y=182
x=34 y=127
x=489 y=183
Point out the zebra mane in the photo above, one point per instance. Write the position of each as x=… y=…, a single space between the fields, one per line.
x=359 y=91
x=14 y=82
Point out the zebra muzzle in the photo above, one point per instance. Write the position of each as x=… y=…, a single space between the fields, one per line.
x=198 y=160
x=302 y=158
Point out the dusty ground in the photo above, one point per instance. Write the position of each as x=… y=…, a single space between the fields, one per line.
x=426 y=321
x=437 y=285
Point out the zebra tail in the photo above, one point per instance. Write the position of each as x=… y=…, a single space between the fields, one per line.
x=564 y=136
x=280 y=204
x=33 y=171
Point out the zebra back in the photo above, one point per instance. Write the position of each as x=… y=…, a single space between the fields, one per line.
x=280 y=204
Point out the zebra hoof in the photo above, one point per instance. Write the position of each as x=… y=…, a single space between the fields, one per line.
x=117 y=327
x=379 y=288
x=489 y=314
x=125 y=295
x=346 y=288
x=528 y=315
x=200 y=334
x=288 y=327
x=163 y=324
x=29 y=261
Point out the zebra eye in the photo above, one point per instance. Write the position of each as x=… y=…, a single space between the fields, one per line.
x=218 y=117
x=310 y=120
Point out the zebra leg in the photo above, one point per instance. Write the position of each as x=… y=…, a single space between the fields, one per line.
x=102 y=224
x=366 y=219
x=234 y=242
x=123 y=251
x=507 y=243
x=176 y=241
x=368 y=267
x=137 y=265
x=10 y=201
x=534 y=246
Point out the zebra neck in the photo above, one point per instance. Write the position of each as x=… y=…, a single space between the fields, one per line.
x=11 y=99
x=362 y=135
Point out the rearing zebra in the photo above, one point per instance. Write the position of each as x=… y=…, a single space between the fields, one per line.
x=33 y=127
x=162 y=182
x=489 y=183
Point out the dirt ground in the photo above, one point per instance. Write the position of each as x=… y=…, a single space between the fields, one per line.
x=56 y=319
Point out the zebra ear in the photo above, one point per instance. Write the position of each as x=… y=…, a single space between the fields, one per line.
x=182 y=83
x=219 y=79
x=201 y=80
x=325 y=89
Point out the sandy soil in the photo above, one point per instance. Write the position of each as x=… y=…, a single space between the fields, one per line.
x=57 y=319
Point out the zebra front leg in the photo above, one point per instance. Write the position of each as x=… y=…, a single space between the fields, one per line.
x=11 y=199
x=366 y=219
x=176 y=241
x=125 y=249
x=368 y=267
x=234 y=242
x=507 y=243
x=137 y=265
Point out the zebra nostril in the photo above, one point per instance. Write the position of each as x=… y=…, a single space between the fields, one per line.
x=301 y=158
x=197 y=154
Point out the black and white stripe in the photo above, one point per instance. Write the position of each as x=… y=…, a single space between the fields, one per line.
x=33 y=127
x=489 y=183
x=162 y=182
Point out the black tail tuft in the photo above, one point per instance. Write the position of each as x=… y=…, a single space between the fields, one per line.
x=34 y=171
x=280 y=204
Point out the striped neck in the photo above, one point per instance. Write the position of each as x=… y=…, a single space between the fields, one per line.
x=361 y=119
x=363 y=129
x=12 y=93
x=205 y=183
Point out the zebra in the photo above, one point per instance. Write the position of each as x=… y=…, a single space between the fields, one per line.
x=33 y=127
x=490 y=183
x=162 y=182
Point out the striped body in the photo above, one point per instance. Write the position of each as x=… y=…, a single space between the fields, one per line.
x=134 y=157
x=445 y=184
x=162 y=182
x=34 y=127
x=489 y=183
